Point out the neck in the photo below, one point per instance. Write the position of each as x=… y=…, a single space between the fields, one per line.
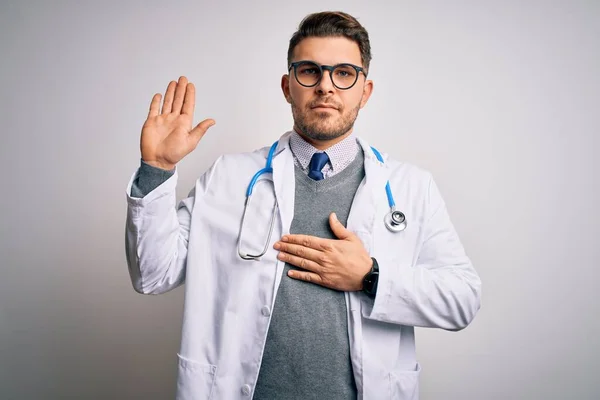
x=323 y=144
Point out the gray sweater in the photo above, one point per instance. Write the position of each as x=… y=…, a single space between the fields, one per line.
x=307 y=353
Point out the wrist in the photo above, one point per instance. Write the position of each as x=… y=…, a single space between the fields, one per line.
x=371 y=279
x=161 y=165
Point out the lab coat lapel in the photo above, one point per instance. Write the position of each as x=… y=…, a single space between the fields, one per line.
x=364 y=216
x=284 y=182
x=364 y=213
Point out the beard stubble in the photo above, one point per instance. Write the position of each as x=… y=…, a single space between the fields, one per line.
x=324 y=125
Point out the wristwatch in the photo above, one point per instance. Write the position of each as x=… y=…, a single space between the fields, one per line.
x=370 y=280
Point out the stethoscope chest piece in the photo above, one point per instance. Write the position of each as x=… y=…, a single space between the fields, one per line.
x=395 y=221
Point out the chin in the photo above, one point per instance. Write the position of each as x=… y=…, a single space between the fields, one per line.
x=324 y=133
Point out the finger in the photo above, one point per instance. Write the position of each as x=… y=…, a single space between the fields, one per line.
x=300 y=251
x=300 y=262
x=154 y=105
x=169 y=98
x=313 y=242
x=200 y=130
x=189 y=100
x=179 y=94
x=305 y=276
x=339 y=230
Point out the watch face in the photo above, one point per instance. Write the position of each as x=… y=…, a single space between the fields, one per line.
x=371 y=279
x=370 y=282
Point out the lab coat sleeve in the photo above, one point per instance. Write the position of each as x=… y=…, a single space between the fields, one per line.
x=442 y=290
x=156 y=235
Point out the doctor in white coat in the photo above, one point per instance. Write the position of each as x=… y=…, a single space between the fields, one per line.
x=386 y=282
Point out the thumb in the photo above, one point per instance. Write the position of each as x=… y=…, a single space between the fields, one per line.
x=338 y=228
x=201 y=129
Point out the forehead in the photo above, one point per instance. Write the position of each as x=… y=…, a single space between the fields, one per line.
x=328 y=50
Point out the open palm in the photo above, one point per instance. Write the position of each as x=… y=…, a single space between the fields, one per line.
x=167 y=135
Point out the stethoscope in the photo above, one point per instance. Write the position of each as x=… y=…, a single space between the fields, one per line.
x=394 y=220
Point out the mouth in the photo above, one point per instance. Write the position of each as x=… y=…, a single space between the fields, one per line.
x=321 y=107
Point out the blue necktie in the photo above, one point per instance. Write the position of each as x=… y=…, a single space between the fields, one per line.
x=317 y=162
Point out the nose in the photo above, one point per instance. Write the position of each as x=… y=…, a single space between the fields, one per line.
x=326 y=84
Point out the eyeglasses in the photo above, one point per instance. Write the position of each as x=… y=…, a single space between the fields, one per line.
x=309 y=74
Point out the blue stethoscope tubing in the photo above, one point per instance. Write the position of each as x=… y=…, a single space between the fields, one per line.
x=268 y=169
x=394 y=220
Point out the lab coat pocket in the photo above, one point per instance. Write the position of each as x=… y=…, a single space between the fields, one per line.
x=404 y=384
x=195 y=380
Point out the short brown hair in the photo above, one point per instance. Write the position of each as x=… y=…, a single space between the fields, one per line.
x=332 y=23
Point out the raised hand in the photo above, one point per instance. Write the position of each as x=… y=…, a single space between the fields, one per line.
x=167 y=134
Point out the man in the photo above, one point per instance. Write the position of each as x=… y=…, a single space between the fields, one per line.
x=329 y=310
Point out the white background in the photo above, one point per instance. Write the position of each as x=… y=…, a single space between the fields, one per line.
x=500 y=100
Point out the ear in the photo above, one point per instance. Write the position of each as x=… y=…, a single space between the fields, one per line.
x=285 y=88
x=367 y=90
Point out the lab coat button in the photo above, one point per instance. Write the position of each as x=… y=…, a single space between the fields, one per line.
x=266 y=311
x=246 y=390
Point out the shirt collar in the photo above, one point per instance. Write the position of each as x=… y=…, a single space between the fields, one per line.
x=340 y=154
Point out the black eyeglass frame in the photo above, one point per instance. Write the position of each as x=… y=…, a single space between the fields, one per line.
x=329 y=68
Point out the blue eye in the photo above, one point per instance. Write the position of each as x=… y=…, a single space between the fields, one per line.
x=345 y=72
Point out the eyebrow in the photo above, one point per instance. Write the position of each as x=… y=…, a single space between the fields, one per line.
x=337 y=63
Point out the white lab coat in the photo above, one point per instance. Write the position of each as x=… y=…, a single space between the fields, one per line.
x=426 y=279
